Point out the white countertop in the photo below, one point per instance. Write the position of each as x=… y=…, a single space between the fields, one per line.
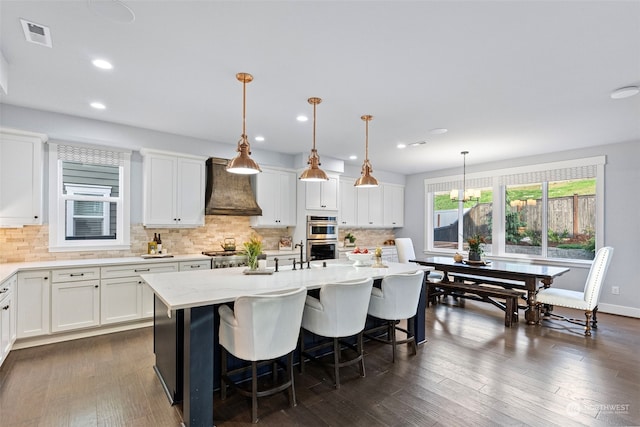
x=368 y=247
x=200 y=288
x=7 y=270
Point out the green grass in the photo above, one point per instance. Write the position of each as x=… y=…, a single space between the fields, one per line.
x=561 y=189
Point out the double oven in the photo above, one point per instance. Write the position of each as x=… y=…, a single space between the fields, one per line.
x=322 y=237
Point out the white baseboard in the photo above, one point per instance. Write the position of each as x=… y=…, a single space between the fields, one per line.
x=619 y=310
x=85 y=333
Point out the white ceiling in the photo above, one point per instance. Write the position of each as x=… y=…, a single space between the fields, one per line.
x=507 y=78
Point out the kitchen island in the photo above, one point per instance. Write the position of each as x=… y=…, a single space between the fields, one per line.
x=192 y=298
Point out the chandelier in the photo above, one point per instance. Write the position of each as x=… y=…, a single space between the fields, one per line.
x=466 y=195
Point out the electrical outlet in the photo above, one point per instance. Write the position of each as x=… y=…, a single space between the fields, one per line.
x=615 y=290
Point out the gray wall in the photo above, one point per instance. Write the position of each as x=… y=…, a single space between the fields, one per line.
x=621 y=221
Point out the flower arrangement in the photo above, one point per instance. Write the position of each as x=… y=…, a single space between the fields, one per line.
x=252 y=249
x=475 y=242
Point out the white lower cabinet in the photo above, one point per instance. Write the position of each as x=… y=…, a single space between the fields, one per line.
x=125 y=296
x=7 y=316
x=120 y=300
x=34 y=305
x=75 y=305
x=46 y=302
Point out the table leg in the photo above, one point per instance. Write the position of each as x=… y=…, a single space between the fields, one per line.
x=199 y=338
x=531 y=314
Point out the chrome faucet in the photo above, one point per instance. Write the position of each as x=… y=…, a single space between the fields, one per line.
x=301 y=246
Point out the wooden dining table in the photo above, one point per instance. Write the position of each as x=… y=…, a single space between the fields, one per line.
x=510 y=275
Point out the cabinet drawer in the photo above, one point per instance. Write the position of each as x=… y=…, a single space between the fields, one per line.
x=75 y=274
x=195 y=265
x=129 y=270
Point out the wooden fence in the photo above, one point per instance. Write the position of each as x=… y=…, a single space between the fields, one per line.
x=580 y=220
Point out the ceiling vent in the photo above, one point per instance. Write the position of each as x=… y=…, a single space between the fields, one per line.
x=36 y=33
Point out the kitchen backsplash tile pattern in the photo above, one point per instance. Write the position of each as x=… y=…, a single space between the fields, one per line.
x=30 y=243
x=367 y=237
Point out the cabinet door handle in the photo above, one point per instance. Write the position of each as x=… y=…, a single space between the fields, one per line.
x=3 y=290
x=6 y=307
x=46 y=278
x=194 y=266
x=139 y=270
x=76 y=274
x=35 y=216
x=96 y=286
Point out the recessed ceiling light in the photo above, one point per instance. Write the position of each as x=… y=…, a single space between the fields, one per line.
x=302 y=118
x=259 y=138
x=102 y=64
x=625 y=92
x=438 y=131
x=98 y=105
x=353 y=157
x=401 y=145
x=113 y=10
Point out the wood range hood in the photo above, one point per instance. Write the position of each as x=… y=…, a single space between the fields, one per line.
x=228 y=193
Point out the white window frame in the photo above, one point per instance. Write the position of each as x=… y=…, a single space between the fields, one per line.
x=498 y=229
x=87 y=193
x=57 y=199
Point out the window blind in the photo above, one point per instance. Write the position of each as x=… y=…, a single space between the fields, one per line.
x=92 y=155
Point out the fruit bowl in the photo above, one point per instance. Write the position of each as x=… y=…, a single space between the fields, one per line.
x=360 y=258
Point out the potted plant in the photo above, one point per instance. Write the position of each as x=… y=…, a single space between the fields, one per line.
x=252 y=249
x=350 y=238
x=475 y=248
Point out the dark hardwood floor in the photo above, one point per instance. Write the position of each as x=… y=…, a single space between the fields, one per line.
x=472 y=371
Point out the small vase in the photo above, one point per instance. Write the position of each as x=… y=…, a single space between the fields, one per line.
x=252 y=262
x=474 y=256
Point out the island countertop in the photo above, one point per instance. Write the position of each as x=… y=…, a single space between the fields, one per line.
x=183 y=290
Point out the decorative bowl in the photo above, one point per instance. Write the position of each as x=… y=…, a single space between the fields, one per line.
x=360 y=259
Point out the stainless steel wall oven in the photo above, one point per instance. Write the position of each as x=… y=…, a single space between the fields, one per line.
x=322 y=237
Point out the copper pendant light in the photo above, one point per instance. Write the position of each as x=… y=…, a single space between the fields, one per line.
x=313 y=172
x=242 y=163
x=366 y=180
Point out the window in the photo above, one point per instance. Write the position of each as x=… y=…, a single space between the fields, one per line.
x=548 y=211
x=88 y=198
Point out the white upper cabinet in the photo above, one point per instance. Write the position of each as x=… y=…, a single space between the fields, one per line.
x=322 y=195
x=21 y=168
x=393 y=196
x=348 y=203
x=276 y=195
x=381 y=206
x=174 y=186
x=370 y=207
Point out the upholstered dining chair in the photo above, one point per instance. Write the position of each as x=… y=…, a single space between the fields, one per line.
x=261 y=328
x=404 y=247
x=397 y=299
x=586 y=300
x=340 y=312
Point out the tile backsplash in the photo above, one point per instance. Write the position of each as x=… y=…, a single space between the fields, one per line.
x=31 y=242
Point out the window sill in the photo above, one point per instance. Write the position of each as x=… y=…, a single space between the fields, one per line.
x=95 y=248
